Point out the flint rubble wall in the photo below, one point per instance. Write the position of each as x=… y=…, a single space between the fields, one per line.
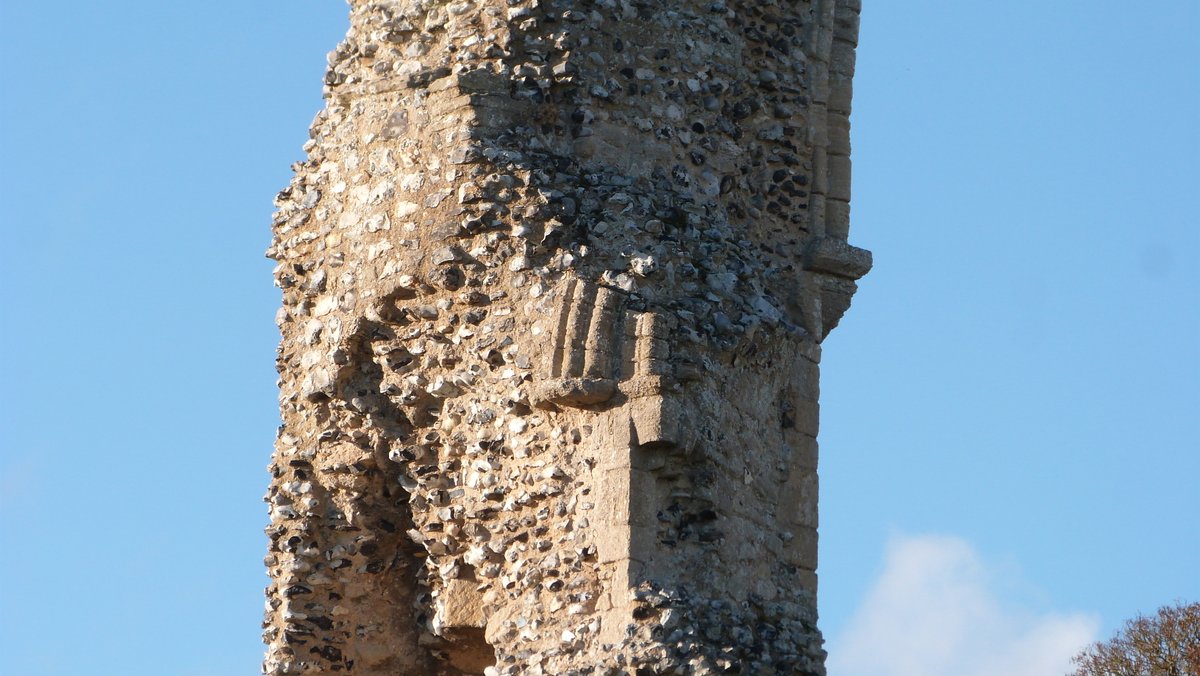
x=555 y=278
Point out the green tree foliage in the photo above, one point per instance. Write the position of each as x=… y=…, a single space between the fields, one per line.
x=1167 y=644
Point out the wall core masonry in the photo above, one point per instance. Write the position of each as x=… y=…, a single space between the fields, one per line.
x=555 y=279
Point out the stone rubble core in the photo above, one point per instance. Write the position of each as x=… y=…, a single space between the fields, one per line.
x=555 y=277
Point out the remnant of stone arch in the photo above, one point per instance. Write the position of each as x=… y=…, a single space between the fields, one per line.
x=555 y=278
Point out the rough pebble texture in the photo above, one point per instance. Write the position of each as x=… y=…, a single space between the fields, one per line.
x=555 y=277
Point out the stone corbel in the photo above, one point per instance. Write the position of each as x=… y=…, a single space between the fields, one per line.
x=835 y=266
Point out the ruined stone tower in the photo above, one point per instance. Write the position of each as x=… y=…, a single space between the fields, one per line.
x=555 y=278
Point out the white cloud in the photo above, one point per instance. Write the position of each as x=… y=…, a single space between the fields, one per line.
x=938 y=610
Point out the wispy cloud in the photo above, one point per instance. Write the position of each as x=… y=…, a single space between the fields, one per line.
x=938 y=610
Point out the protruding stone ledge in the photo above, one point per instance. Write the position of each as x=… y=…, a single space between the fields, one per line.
x=835 y=257
x=573 y=392
x=836 y=265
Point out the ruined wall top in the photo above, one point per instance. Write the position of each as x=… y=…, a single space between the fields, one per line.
x=736 y=110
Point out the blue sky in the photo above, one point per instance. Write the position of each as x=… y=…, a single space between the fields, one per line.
x=1011 y=409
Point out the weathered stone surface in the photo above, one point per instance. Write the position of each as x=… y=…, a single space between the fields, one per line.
x=555 y=275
